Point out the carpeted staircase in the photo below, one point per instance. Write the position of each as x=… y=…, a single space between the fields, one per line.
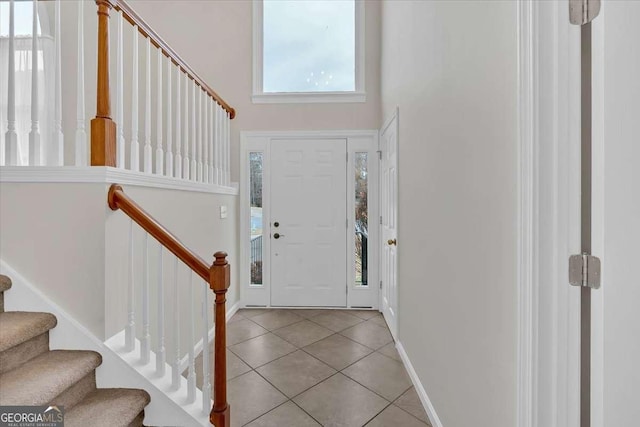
x=32 y=374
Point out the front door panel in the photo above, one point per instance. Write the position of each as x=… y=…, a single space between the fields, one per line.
x=308 y=203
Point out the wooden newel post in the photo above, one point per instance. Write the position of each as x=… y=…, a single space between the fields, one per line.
x=103 y=129
x=219 y=279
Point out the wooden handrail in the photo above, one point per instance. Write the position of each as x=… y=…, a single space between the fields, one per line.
x=134 y=19
x=217 y=276
x=119 y=200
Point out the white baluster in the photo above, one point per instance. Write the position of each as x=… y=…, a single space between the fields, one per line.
x=161 y=356
x=225 y=157
x=135 y=146
x=178 y=173
x=220 y=147
x=212 y=106
x=56 y=157
x=11 y=137
x=194 y=166
x=169 y=159
x=228 y=118
x=191 y=376
x=35 y=148
x=130 y=330
x=185 y=141
x=145 y=345
x=120 y=151
x=148 y=153
x=81 y=133
x=216 y=144
x=176 y=374
x=200 y=135
x=205 y=139
x=159 y=150
x=223 y=145
x=206 y=365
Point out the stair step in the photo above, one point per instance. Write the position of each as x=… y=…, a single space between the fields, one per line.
x=5 y=283
x=17 y=327
x=108 y=407
x=41 y=380
x=22 y=353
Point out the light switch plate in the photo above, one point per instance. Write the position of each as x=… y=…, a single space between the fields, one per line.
x=223 y=212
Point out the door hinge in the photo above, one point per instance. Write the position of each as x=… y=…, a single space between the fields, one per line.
x=379 y=154
x=347 y=157
x=380 y=284
x=584 y=270
x=583 y=11
x=380 y=219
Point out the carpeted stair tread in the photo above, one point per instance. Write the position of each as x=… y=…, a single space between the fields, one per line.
x=5 y=283
x=17 y=327
x=108 y=407
x=40 y=380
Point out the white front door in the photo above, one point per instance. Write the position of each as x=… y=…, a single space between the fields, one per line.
x=389 y=212
x=308 y=222
x=616 y=216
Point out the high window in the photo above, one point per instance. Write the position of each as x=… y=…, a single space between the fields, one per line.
x=308 y=51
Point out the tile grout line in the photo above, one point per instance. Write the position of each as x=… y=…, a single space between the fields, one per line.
x=290 y=399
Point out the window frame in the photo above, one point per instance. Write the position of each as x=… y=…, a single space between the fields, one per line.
x=260 y=97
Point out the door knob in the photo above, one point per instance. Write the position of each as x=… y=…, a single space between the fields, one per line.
x=278 y=235
x=392 y=242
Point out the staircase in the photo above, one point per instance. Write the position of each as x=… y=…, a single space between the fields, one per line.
x=32 y=374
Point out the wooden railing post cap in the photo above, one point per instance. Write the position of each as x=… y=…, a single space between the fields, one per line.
x=108 y=3
x=111 y=197
x=221 y=258
x=219 y=278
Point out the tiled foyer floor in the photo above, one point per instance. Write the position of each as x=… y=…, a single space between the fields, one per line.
x=299 y=368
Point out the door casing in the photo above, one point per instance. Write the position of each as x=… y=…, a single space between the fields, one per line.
x=357 y=141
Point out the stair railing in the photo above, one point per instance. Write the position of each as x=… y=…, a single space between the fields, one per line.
x=216 y=275
x=203 y=155
x=177 y=126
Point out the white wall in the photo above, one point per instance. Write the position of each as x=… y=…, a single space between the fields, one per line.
x=65 y=240
x=215 y=38
x=451 y=69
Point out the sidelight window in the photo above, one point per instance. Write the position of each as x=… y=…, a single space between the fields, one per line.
x=255 y=194
x=361 y=218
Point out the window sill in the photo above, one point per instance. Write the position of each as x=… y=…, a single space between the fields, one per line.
x=308 y=97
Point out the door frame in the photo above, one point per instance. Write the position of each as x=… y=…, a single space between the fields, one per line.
x=548 y=310
x=357 y=141
x=394 y=120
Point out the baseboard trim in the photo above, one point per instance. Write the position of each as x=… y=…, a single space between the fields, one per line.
x=422 y=394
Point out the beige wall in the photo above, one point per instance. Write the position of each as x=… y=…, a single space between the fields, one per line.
x=450 y=66
x=57 y=247
x=215 y=38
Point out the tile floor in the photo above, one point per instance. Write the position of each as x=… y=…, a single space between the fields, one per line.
x=298 y=368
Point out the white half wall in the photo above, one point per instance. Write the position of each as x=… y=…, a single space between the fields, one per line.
x=451 y=68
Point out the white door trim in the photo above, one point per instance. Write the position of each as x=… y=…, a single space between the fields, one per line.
x=393 y=325
x=548 y=215
x=251 y=141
